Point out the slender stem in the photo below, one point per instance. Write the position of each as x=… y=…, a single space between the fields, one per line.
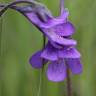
x=69 y=83
x=44 y=42
x=1 y=29
x=41 y=71
x=1 y=65
x=40 y=83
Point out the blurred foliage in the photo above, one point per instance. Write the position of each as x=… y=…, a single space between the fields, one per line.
x=19 y=39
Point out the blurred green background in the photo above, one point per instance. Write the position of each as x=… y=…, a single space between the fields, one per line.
x=19 y=39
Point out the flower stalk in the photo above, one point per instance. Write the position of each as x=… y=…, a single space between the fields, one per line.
x=69 y=83
x=41 y=71
x=1 y=25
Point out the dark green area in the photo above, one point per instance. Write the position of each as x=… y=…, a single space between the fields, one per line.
x=20 y=39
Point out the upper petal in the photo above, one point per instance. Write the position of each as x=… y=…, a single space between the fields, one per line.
x=65 y=29
x=56 y=71
x=69 y=52
x=56 y=20
x=50 y=22
x=45 y=15
x=49 y=53
x=36 y=61
x=75 y=65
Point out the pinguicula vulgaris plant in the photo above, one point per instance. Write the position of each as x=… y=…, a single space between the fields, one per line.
x=60 y=51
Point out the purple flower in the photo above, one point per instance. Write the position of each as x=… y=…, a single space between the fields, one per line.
x=57 y=59
x=60 y=50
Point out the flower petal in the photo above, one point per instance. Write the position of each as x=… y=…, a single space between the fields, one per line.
x=37 y=14
x=49 y=53
x=56 y=71
x=33 y=18
x=49 y=32
x=56 y=21
x=65 y=29
x=52 y=36
x=36 y=60
x=50 y=22
x=37 y=18
x=55 y=45
x=68 y=52
x=75 y=65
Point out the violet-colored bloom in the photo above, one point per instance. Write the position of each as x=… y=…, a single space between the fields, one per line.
x=58 y=58
x=60 y=50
